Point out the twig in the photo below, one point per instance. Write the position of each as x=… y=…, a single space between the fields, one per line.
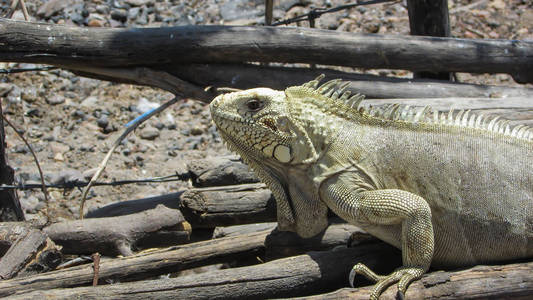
x=96 y=267
x=129 y=129
x=45 y=191
x=13 y=8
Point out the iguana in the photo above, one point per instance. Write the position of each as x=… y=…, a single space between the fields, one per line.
x=448 y=189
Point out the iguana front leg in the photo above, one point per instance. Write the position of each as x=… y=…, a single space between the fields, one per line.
x=386 y=207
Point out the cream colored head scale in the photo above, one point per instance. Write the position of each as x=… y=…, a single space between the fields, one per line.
x=258 y=124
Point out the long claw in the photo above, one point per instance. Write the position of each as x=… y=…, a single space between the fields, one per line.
x=351 y=278
x=400 y=295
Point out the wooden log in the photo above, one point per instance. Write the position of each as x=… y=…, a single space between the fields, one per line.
x=219 y=171
x=294 y=276
x=372 y=86
x=243 y=229
x=102 y=47
x=159 y=227
x=228 y=205
x=143 y=266
x=429 y=18
x=284 y=243
x=10 y=232
x=31 y=252
x=513 y=281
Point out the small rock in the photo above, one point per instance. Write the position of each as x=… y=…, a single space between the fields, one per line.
x=139 y=2
x=29 y=204
x=52 y=7
x=196 y=131
x=89 y=101
x=66 y=176
x=133 y=13
x=102 y=9
x=5 y=88
x=59 y=157
x=103 y=121
x=55 y=99
x=95 y=23
x=159 y=125
x=149 y=133
x=120 y=15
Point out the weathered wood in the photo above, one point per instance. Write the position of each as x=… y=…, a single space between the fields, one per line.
x=429 y=18
x=10 y=209
x=219 y=171
x=243 y=229
x=372 y=86
x=31 y=252
x=284 y=243
x=143 y=266
x=129 y=207
x=71 y=46
x=294 y=276
x=158 y=227
x=228 y=205
x=513 y=281
x=10 y=232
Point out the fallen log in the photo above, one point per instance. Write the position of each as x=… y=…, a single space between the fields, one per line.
x=144 y=265
x=243 y=229
x=293 y=276
x=30 y=251
x=228 y=205
x=372 y=86
x=159 y=227
x=283 y=243
x=513 y=281
x=103 y=47
x=220 y=171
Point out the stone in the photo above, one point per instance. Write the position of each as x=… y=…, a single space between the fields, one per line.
x=55 y=99
x=53 y=7
x=149 y=133
x=120 y=15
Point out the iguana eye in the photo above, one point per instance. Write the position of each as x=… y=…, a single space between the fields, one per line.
x=254 y=104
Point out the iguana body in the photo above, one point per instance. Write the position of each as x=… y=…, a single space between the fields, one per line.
x=449 y=190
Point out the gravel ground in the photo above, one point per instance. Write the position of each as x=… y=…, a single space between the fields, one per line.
x=72 y=121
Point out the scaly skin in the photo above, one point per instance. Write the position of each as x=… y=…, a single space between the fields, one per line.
x=449 y=190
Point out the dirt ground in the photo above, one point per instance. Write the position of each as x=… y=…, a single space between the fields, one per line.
x=72 y=121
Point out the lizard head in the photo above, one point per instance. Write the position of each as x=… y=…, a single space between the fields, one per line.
x=258 y=124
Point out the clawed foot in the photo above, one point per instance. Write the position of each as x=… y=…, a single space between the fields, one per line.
x=403 y=276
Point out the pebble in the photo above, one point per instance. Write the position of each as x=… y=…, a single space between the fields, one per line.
x=103 y=121
x=120 y=15
x=89 y=101
x=149 y=133
x=55 y=99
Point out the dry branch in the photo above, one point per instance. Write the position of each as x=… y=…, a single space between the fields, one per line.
x=252 y=76
x=143 y=266
x=30 y=251
x=74 y=46
x=228 y=205
x=157 y=227
x=513 y=281
x=220 y=171
x=294 y=276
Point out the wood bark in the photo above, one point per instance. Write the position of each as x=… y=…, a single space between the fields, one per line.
x=71 y=46
x=513 y=281
x=372 y=86
x=228 y=205
x=121 y=235
x=144 y=265
x=220 y=171
x=284 y=243
x=429 y=18
x=30 y=251
x=294 y=276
